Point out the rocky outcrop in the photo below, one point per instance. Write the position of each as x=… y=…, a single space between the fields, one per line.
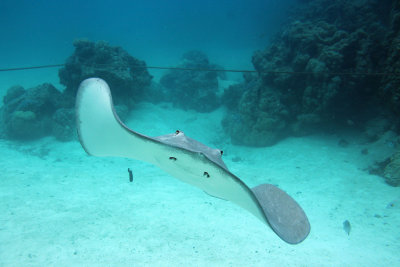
x=126 y=75
x=303 y=83
x=27 y=114
x=43 y=110
x=392 y=170
x=190 y=89
x=390 y=84
x=260 y=119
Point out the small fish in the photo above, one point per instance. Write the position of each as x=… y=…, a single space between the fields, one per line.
x=395 y=204
x=347 y=227
x=130 y=175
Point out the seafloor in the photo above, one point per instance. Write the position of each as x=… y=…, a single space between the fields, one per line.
x=61 y=207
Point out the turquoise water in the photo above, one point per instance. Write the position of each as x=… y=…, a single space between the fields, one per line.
x=158 y=32
x=61 y=207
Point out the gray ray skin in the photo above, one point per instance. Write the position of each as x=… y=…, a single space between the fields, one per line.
x=102 y=133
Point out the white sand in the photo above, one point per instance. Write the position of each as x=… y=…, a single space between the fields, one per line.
x=60 y=207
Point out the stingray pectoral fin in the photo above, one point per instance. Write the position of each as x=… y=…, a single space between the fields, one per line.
x=267 y=202
x=284 y=214
x=101 y=132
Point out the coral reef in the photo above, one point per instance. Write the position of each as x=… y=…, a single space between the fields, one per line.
x=127 y=75
x=260 y=118
x=323 y=40
x=63 y=126
x=40 y=111
x=390 y=85
x=392 y=170
x=376 y=127
x=43 y=110
x=27 y=114
x=192 y=89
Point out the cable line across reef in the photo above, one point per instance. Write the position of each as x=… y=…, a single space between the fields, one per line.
x=223 y=70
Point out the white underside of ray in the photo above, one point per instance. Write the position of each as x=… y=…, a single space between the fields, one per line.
x=103 y=134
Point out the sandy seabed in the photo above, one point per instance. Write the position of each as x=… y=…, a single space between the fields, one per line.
x=61 y=207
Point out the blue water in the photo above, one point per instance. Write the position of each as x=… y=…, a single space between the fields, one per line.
x=40 y=32
x=62 y=207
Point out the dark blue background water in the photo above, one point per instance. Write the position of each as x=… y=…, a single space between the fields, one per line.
x=42 y=32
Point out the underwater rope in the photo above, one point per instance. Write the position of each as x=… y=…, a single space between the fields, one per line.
x=225 y=70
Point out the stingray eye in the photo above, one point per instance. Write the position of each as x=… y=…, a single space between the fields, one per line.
x=177 y=132
x=222 y=152
x=206 y=174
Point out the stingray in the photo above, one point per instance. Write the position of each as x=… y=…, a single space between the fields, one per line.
x=102 y=133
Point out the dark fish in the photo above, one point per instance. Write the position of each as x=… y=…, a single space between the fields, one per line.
x=347 y=227
x=130 y=175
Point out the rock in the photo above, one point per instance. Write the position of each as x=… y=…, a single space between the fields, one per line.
x=391 y=172
x=322 y=40
x=376 y=127
x=377 y=155
x=192 y=89
x=389 y=87
x=63 y=127
x=258 y=122
x=26 y=114
x=13 y=93
x=127 y=76
x=26 y=125
x=232 y=95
